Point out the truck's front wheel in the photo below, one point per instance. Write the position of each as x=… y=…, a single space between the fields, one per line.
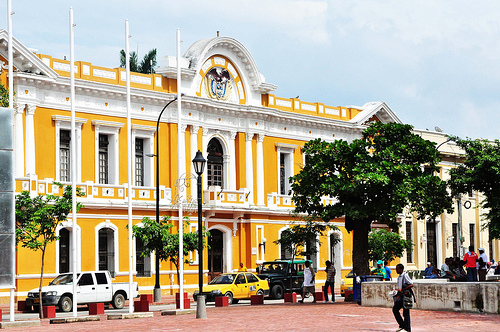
x=118 y=301
x=66 y=304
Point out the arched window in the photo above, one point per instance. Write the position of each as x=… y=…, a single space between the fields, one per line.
x=64 y=249
x=107 y=250
x=215 y=163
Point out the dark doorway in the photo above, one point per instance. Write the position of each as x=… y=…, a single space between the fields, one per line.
x=64 y=235
x=216 y=253
x=107 y=250
x=431 y=243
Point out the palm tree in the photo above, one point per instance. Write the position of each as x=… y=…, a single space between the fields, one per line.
x=146 y=66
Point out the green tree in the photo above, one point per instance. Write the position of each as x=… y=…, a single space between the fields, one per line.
x=372 y=179
x=386 y=245
x=302 y=238
x=4 y=96
x=37 y=219
x=158 y=238
x=145 y=67
x=480 y=171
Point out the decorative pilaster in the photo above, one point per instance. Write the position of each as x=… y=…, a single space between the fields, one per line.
x=260 y=171
x=18 y=140
x=249 y=167
x=205 y=155
x=232 y=160
x=30 y=139
x=194 y=140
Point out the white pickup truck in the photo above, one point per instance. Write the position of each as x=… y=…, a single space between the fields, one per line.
x=92 y=287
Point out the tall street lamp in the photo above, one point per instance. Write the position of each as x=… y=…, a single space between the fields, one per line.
x=199 y=165
x=157 y=289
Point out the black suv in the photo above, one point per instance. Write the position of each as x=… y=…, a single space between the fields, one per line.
x=277 y=274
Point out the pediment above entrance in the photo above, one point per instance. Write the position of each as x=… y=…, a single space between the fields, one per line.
x=221 y=69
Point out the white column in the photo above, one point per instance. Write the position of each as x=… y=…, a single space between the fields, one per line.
x=260 y=171
x=249 y=166
x=232 y=161
x=205 y=155
x=30 y=139
x=439 y=241
x=19 y=140
x=194 y=142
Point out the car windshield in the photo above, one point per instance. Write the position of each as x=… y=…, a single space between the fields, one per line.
x=63 y=279
x=223 y=279
x=350 y=275
x=273 y=267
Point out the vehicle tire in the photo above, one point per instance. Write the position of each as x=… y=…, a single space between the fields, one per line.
x=277 y=292
x=229 y=296
x=260 y=292
x=118 y=301
x=66 y=304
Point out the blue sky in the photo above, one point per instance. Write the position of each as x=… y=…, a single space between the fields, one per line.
x=435 y=63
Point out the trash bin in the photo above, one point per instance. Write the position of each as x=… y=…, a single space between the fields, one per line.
x=356 y=287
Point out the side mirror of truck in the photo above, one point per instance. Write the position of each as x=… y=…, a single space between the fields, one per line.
x=257 y=270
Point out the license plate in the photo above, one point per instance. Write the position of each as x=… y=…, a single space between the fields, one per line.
x=36 y=301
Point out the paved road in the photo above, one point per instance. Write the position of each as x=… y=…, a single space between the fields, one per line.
x=278 y=316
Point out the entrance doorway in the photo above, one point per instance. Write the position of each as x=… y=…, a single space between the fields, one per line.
x=216 y=253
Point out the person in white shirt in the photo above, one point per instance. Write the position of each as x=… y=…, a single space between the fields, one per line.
x=482 y=267
x=404 y=284
x=308 y=282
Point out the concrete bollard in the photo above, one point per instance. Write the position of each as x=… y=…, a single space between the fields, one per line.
x=201 y=308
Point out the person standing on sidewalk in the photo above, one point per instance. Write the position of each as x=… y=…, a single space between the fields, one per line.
x=482 y=267
x=308 y=282
x=330 y=281
x=404 y=284
x=388 y=274
x=470 y=259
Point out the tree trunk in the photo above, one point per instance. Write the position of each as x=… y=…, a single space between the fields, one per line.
x=41 y=283
x=360 y=258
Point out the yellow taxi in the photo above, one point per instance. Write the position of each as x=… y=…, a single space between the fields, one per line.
x=347 y=283
x=235 y=286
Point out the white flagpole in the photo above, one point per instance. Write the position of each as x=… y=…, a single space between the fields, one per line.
x=129 y=163
x=73 y=159
x=180 y=145
x=11 y=105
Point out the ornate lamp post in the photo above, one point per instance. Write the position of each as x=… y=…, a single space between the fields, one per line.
x=199 y=165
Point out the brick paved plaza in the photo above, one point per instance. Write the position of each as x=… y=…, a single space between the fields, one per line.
x=341 y=316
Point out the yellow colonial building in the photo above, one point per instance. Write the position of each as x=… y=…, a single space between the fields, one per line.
x=251 y=138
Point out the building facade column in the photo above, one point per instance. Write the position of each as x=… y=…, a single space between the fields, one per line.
x=182 y=157
x=232 y=160
x=18 y=140
x=260 y=171
x=249 y=167
x=205 y=155
x=30 y=140
x=194 y=141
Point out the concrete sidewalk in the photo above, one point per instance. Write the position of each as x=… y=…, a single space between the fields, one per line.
x=340 y=316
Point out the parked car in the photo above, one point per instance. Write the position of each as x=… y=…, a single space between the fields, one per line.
x=277 y=274
x=347 y=283
x=92 y=287
x=234 y=286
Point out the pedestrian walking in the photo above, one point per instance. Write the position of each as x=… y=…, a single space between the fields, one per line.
x=330 y=281
x=482 y=267
x=405 y=286
x=470 y=259
x=308 y=282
